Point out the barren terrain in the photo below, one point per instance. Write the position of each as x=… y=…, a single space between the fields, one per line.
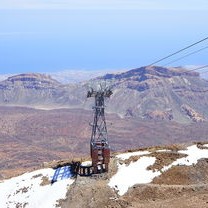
x=30 y=137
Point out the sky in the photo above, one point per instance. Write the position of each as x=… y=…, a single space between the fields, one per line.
x=105 y=35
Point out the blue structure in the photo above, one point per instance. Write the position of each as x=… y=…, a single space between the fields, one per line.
x=63 y=173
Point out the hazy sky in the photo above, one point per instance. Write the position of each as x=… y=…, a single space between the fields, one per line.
x=54 y=35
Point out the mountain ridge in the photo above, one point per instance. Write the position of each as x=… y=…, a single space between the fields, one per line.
x=147 y=93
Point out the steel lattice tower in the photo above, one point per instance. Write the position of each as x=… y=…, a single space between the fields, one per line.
x=100 y=149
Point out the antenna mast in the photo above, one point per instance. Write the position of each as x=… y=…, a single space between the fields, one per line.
x=99 y=146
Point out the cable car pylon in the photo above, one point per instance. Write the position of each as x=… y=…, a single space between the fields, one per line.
x=99 y=145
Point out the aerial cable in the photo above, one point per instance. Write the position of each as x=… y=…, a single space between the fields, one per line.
x=189 y=54
x=195 y=69
x=183 y=49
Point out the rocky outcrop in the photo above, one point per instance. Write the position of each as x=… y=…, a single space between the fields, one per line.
x=192 y=114
x=33 y=78
x=159 y=115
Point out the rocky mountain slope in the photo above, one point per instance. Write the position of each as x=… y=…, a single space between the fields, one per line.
x=149 y=93
x=37 y=90
x=168 y=176
x=160 y=93
x=30 y=136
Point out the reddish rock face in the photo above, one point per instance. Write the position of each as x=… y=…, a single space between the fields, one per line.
x=192 y=114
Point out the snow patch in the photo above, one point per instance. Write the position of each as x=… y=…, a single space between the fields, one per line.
x=134 y=173
x=27 y=191
x=137 y=173
x=193 y=155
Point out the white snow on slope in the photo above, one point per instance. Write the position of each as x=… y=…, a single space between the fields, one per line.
x=193 y=155
x=26 y=191
x=137 y=173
